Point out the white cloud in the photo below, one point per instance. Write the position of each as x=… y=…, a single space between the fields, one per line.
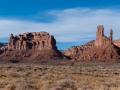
x=67 y=25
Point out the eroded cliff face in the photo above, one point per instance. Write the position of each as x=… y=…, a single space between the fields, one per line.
x=103 y=48
x=103 y=53
x=101 y=39
x=3 y=47
x=117 y=42
x=34 y=40
x=32 y=46
x=76 y=51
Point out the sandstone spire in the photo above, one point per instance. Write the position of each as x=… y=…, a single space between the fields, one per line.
x=100 y=31
x=111 y=34
x=101 y=39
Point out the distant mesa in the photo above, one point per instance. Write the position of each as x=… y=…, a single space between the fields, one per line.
x=31 y=46
x=34 y=40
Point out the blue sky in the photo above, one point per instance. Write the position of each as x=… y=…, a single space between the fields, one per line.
x=72 y=22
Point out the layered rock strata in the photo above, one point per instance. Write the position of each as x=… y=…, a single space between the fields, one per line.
x=33 y=46
x=34 y=40
x=103 y=48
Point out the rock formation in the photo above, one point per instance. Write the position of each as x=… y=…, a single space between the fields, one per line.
x=103 y=48
x=35 y=40
x=3 y=47
x=32 y=46
x=101 y=39
x=76 y=51
x=117 y=42
x=102 y=53
x=42 y=46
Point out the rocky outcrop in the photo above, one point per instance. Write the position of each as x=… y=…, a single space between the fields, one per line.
x=103 y=53
x=34 y=40
x=33 y=46
x=76 y=51
x=32 y=55
x=103 y=48
x=117 y=42
x=3 y=47
x=101 y=39
x=1 y=44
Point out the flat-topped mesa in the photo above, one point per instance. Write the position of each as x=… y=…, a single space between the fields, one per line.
x=34 y=40
x=101 y=39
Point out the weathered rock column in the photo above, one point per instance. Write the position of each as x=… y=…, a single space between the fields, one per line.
x=101 y=39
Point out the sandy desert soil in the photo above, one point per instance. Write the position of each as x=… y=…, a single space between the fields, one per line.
x=76 y=76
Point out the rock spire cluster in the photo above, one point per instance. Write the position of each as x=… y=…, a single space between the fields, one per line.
x=101 y=39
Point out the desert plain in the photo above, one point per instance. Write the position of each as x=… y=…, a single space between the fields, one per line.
x=60 y=76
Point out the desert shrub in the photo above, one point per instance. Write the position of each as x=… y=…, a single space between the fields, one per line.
x=86 y=86
x=25 y=86
x=10 y=87
x=14 y=75
x=3 y=83
x=45 y=87
x=47 y=76
x=66 y=83
x=72 y=63
x=25 y=74
x=56 y=88
x=3 y=75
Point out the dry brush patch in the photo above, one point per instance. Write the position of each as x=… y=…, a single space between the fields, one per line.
x=80 y=76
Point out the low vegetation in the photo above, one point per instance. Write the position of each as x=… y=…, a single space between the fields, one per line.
x=78 y=76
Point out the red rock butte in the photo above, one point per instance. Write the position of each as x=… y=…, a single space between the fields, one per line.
x=101 y=39
x=31 y=46
x=103 y=48
x=34 y=40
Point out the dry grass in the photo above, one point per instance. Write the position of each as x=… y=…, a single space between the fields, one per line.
x=80 y=76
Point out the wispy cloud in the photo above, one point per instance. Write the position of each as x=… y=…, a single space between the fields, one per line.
x=67 y=25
